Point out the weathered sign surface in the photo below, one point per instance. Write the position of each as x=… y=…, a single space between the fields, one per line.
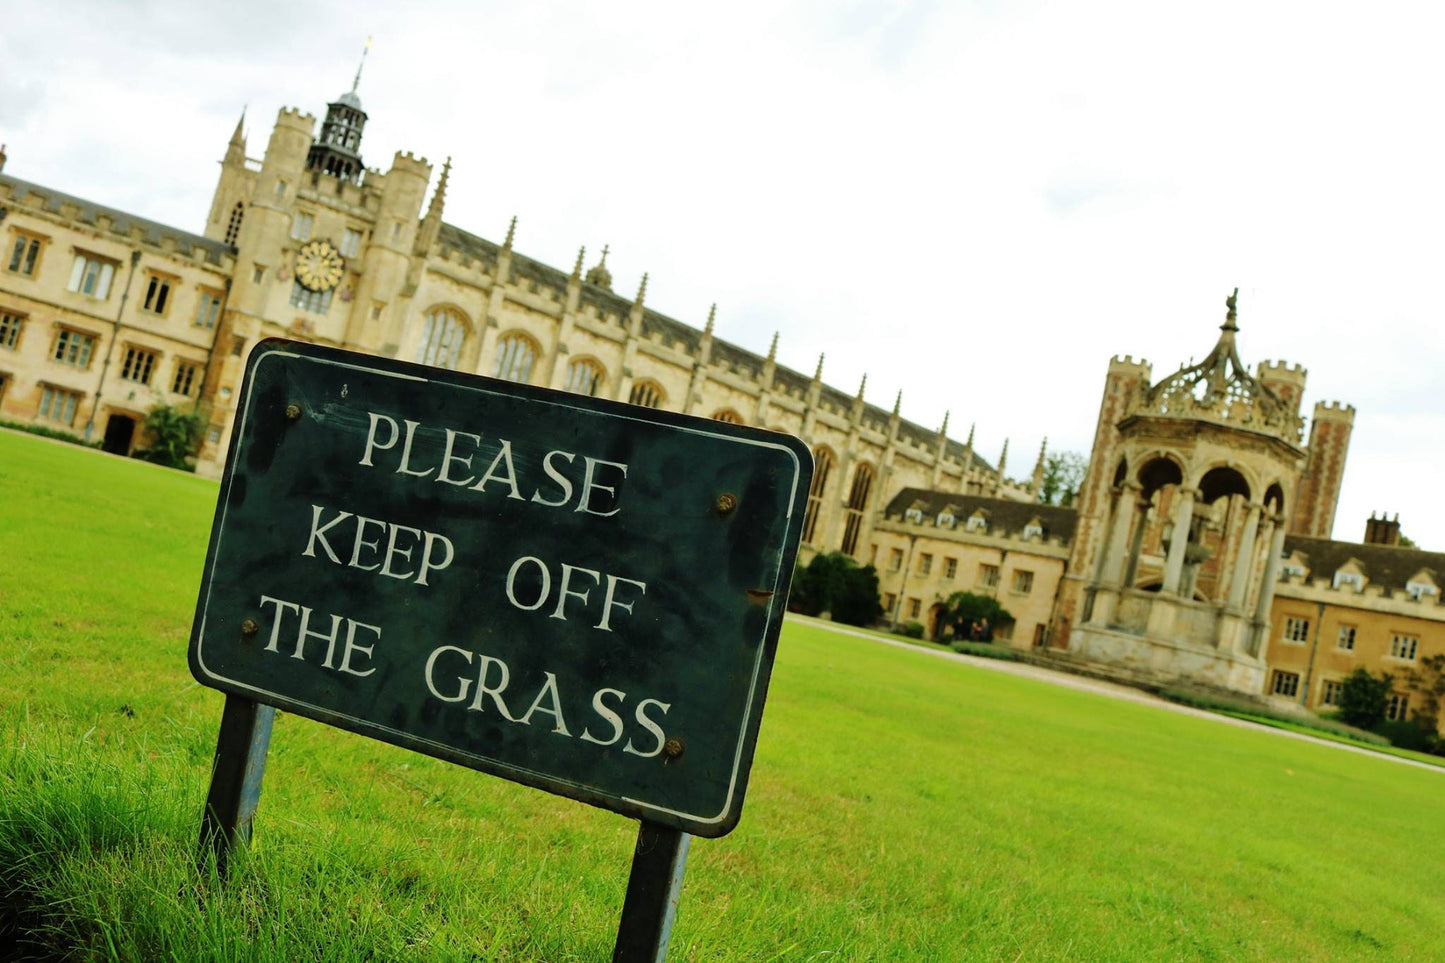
x=575 y=594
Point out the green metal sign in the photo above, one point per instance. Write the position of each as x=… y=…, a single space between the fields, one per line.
x=574 y=594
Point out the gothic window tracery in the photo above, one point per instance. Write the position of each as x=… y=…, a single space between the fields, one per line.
x=584 y=377
x=648 y=394
x=823 y=462
x=442 y=336
x=515 y=355
x=858 y=497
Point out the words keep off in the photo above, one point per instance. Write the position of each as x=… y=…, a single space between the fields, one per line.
x=387 y=549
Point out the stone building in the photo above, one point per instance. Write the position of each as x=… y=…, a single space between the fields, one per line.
x=1340 y=606
x=1193 y=483
x=1195 y=551
x=102 y=314
x=1197 y=548
x=105 y=314
x=931 y=544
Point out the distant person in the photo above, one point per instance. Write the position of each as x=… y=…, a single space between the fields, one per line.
x=985 y=631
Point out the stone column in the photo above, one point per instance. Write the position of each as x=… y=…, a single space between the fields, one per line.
x=1124 y=510
x=1271 y=567
x=1106 y=592
x=1244 y=558
x=1174 y=565
x=1131 y=571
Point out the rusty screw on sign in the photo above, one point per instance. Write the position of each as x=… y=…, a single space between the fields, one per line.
x=673 y=748
x=293 y=412
x=249 y=627
x=725 y=503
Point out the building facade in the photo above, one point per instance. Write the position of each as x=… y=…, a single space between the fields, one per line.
x=1197 y=547
x=931 y=544
x=1340 y=606
x=102 y=315
x=106 y=315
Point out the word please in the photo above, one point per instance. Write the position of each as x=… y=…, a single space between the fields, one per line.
x=448 y=460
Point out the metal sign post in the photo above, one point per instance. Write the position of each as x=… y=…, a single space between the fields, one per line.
x=572 y=593
x=653 y=890
x=236 y=774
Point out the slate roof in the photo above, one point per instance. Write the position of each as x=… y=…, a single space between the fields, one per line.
x=1388 y=566
x=1004 y=516
x=121 y=221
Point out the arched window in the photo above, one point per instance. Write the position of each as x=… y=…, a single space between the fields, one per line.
x=728 y=416
x=233 y=229
x=823 y=462
x=857 y=505
x=649 y=394
x=584 y=377
x=442 y=335
x=515 y=355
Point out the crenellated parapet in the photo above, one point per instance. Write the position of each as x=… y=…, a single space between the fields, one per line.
x=1285 y=380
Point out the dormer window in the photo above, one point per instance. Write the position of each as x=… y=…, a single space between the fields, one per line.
x=1034 y=529
x=946 y=520
x=914 y=515
x=1292 y=569
x=977 y=522
x=1418 y=590
x=1353 y=580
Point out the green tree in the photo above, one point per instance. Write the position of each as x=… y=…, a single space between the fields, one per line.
x=1363 y=698
x=965 y=608
x=1063 y=474
x=836 y=584
x=1428 y=682
x=173 y=436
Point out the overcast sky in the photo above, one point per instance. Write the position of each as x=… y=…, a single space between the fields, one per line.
x=976 y=203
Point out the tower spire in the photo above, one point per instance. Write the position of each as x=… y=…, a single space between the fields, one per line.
x=818 y=372
x=511 y=234
x=642 y=288
x=898 y=403
x=862 y=386
x=773 y=348
x=431 y=224
x=577 y=267
x=711 y=319
x=944 y=430
x=439 y=196
x=236 y=149
x=357 y=79
x=1038 y=478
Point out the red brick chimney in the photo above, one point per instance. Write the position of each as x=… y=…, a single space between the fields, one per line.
x=1382 y=530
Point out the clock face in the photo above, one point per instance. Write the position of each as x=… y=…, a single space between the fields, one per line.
x=319 y=266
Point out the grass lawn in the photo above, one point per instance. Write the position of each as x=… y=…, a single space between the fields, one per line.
x=901 y=807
